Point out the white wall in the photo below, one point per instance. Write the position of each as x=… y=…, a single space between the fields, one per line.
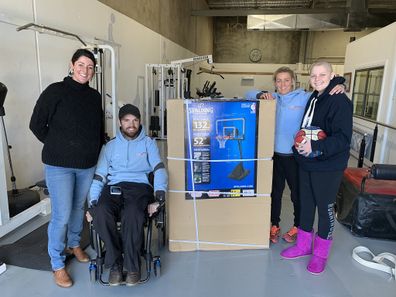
x=331 y=45
x=378 y=49
x=20 y=63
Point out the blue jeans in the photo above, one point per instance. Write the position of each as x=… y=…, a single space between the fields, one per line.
x=68 y=189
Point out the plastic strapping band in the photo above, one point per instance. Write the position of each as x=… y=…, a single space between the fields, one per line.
x=377 y=262
x=214 y=192
x=192 y=174
x=219 y=243
x=218 y=161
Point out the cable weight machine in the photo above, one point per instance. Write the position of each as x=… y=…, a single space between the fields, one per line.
x=163 y=82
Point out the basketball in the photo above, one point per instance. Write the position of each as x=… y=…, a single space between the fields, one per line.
x=313 y=133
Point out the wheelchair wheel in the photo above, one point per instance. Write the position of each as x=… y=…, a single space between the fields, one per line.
x=157 y=266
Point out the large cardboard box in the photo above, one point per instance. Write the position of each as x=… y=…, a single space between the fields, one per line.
x=220 y=223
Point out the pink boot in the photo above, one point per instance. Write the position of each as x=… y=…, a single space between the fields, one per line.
x=321 y=252
x=303 y=246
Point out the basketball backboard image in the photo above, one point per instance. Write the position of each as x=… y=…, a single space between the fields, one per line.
x=229 y=128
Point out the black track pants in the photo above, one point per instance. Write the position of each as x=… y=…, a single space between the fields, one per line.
x=285 y=169
x=318 y=189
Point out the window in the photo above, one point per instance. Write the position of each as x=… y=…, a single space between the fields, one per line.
x=367 y=91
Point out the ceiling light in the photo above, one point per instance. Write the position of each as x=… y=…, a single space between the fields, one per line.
x=288 y=22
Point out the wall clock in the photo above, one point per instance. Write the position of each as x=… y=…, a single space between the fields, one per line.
x=255 y=55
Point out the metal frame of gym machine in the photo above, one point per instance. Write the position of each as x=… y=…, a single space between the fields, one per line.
x=159 y=73
x=158 y=77
x=8 y=224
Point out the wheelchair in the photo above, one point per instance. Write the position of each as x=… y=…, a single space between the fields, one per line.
x=152 y=262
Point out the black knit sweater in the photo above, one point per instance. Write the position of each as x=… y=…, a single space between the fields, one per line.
x=67 y=118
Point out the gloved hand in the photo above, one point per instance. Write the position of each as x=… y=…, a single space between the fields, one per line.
x=154 y=208
x=160 y=197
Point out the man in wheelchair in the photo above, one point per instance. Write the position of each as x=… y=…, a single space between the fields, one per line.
x=121 y=191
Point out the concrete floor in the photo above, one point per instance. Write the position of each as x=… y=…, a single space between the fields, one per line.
x=230 y=273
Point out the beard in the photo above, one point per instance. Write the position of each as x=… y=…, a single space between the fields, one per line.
x=131 y=134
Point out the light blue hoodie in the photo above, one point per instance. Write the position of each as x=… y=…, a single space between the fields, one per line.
x=289 y=112
x=123 y=160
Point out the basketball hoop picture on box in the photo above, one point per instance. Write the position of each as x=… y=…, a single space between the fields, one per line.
x=222 y=137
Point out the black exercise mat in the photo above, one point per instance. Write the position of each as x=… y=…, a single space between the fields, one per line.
x=31 y=250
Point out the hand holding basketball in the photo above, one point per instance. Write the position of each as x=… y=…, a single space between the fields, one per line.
x=302 y=140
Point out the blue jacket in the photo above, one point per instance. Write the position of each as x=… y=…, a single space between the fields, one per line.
x=123 y=160
x=289 y=112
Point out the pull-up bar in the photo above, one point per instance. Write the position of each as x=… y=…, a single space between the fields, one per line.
x=43 y=29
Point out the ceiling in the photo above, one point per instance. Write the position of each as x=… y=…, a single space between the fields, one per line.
x=350 y=15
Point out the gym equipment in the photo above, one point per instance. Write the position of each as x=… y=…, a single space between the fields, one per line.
x=98 y=48
x=366 y=201
x=22 y=199
x=187 y=87
x=209 y=71
x=163 y=82
x=186 y=77
x=209 y=91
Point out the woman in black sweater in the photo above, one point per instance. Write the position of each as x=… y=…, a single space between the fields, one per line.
x=67 y=119
x=320 y=176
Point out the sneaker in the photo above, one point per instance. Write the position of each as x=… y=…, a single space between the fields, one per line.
x=274 y=234
x=132 y=278
x=291 y=235
x=62 y=278
x=115 y=276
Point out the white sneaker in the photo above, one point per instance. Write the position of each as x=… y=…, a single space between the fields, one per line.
x=3 y=267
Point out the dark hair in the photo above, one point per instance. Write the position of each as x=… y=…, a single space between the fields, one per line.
x=83 y=52
x=129 y=109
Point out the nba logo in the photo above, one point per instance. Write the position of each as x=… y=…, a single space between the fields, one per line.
x=253 y=108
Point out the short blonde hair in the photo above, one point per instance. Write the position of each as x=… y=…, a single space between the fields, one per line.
x=321 y=63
